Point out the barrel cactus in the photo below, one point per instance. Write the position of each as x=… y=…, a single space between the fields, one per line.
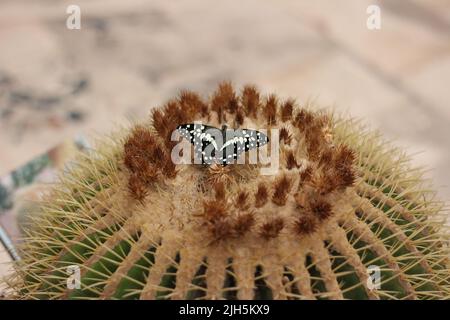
x=341 y=204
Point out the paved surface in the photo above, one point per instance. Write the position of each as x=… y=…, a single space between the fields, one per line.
x=132 y=55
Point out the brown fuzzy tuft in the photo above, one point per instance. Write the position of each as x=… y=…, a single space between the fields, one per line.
x=271 y=229
x=146 y=158
x=344 y=157
x=149 y=174
x=312 y=127
x=242 y=201
x=301 y=200
x=219 y=190
x=221 y=225
x=169 y=169
x=140 y=138
x=176 y=114
x=314 y=143
x=160 y=122
x=285 y=135
x=155 y=152
x=305 y=225
x=337 y=170
x=217 y=173
x=224 y=99
x=306 y=175
x=270 y=109
x=261 y=196
x=303 y=120
x=250 y=100
x=243 y=223
x=282 y=187
x=133 y=160
x=321 y=209
x=326 y=158
x=291 y=162
x=214 y=210
x=347 y=177
x=192 y=104
x=239 y=118
x=233 y=104
x=287 y=110
x=166 y=120
x=137 y=187
x=220 y=229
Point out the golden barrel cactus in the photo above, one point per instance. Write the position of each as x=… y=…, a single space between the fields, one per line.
x=341 y=204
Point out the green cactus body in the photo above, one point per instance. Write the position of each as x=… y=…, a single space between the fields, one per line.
x=140 y=227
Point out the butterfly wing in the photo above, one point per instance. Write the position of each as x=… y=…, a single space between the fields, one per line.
x=223 y=147
x=239 y=141
x=205 y=140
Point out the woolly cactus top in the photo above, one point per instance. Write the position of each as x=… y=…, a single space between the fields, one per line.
x=140 y=226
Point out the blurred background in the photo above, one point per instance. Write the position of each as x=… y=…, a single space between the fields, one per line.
x=130 y=56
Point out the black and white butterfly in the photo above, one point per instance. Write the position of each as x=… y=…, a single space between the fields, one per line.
x=221 y=146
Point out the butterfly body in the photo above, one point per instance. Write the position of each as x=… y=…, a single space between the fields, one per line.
x=221 y=146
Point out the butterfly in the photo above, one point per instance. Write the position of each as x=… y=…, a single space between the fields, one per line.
x=221 y=146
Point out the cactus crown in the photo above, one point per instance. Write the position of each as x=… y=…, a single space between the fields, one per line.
x=139 y=226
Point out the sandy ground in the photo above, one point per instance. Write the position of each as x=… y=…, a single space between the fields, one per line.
x=132 y=55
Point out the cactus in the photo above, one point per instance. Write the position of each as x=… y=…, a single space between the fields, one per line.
x=140 y=227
